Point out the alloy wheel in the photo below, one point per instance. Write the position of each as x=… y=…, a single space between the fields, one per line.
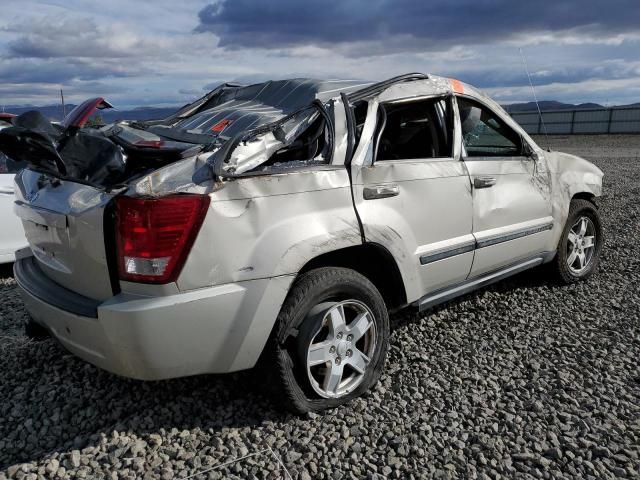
x=341 y=349
x=581 y=245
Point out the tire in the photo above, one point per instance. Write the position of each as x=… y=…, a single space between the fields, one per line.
x=564 y=272
x=35 y=331
x=310 y=318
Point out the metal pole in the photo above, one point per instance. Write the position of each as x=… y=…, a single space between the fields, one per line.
x=610 y=117
x=64 y=113
x=573 y=120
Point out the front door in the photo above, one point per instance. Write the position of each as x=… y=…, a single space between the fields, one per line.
x=412 y=192
x=511 y=200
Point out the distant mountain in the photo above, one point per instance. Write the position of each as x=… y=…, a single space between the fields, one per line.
x=548 y=105
x=54 y=112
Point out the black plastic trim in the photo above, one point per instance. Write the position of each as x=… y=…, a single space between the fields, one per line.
x=33 y=281
x=347 y=158
x=449 y=293
x=110 y=248
x=434 y=257
x=512 y=236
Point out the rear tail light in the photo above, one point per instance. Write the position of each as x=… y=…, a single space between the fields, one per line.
x=154 y=236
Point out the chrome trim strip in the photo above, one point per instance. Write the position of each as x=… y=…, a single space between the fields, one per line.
x=448 y=293
x=457 y=250
x=512 y=236
x=466 y=247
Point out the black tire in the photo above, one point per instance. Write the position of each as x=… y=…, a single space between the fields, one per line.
x=313 y=288
x=578 y=208
x=35 y=331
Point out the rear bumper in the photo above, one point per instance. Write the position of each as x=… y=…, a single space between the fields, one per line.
x=212 y=330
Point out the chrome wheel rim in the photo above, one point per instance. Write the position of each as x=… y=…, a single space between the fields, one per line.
x=581 y=245
x=341 y=349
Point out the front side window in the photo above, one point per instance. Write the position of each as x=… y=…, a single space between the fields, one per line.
x=484 y=134
x=414 y=130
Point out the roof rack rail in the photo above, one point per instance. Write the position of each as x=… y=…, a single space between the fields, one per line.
x=380 y=86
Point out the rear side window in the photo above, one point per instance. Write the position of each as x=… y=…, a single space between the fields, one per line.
x=414 y=130
x=484 y=134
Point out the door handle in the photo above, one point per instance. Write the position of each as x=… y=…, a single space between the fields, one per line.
x=484 y=182
x=380 y=191
x=7 y=190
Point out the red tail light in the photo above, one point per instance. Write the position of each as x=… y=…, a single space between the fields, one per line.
x=154 y=236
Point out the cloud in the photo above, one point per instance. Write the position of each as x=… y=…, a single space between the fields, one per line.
x=255 y=23
x=167 y=52
x=78 y=37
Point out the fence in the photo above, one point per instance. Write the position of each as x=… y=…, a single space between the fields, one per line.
x=584 y=121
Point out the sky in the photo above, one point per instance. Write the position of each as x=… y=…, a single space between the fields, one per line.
x=168 y=52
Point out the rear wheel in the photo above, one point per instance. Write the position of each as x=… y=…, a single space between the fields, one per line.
x=331 y=339
x=578 y=253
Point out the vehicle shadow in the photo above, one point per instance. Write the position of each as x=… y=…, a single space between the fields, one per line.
x=53 y=402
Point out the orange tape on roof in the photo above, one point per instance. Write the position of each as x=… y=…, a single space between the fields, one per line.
x=457 y=86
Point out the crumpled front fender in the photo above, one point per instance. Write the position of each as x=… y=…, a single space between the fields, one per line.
x=570 y=176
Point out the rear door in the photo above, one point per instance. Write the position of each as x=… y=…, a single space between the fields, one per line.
x=412 y=192
x=511 y=201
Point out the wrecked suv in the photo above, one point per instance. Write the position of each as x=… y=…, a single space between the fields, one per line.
x=284 y=221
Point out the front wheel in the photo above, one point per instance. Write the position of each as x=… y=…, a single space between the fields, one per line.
x=331 y=339
x=581 y=243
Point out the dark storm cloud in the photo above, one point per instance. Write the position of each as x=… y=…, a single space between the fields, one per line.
x=256 y=23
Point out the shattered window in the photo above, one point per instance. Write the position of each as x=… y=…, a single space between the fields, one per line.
x=484 y=134
x=413 y=130
x=301 y=140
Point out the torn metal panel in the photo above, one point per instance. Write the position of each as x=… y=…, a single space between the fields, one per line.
x=256 y=147
x=178 y=177
x=569 y=175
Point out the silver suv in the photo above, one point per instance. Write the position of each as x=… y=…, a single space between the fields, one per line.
x=284 y=220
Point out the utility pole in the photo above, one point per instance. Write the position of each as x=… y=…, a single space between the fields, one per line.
x=64 y=113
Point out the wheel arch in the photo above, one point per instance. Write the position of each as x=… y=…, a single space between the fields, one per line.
x=585 y=195
x=373 y=261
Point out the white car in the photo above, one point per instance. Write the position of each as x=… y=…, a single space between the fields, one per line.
x=282 y=222
x=11 y=233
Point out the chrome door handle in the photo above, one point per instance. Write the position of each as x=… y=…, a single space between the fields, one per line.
x=7 y=190
x=484 y=182
x=380 y=191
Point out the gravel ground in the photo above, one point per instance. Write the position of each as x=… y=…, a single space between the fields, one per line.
x=524 y=379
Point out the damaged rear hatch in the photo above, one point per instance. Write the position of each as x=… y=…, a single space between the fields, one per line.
x=61 y=196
